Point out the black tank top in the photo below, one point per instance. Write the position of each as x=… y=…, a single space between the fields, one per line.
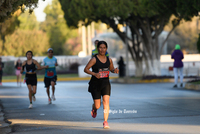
x=102 y=68
x=18 y=65
x=31 y=67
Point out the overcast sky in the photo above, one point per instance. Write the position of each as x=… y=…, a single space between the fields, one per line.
x=39 y=11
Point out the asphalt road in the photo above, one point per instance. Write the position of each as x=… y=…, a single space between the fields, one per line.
x=154 y=108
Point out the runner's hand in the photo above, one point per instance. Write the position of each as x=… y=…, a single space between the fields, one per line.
x=56 y=64
x=46 y=66
x=97 y=75
x=116 y=70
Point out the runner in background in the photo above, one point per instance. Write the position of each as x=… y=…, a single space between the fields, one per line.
x=1 y=70
x=99 y=84
x=50 y=74
x=18 y=67
x=31 y=77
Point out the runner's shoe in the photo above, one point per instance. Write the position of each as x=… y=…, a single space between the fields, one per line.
x=105 y=125
x=30 y=106
x=49 y=101
x=33 y=98
x=53 y=98
x=93 y=112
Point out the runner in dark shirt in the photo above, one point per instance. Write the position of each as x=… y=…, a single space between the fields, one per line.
x=31 y=77
x=99 y=84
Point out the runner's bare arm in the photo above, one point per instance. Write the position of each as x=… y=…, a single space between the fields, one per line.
x=89 y=65
x=56 y=64
x=22 y=69
x=112 y=69
x=38 y=65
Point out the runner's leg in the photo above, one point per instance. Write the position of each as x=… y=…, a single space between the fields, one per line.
x=53 y=87
x=30 y=93
x=34 y=89
x=20 y=78
x=48 y=94
x=97 y=104
x=17 y=79
x=106 y=106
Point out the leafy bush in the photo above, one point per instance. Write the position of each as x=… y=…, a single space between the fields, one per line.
x=74 y=67
x=9 y=68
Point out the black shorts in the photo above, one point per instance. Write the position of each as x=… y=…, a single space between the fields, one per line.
x=99 y=88
x=31 y=79
x=47 y=81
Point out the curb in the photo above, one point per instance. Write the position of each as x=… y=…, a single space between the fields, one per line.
x=191 y=86
x=131 y=81
x=4 y=126
x=61 y=79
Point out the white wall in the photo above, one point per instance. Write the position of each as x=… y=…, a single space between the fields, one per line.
x=191 y=63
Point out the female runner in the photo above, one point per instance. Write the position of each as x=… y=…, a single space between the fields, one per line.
x=99 y=84
x=31 y=77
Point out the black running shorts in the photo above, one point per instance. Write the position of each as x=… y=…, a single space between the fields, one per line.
x=47 y=81
x=31 y=79
x=99 y=88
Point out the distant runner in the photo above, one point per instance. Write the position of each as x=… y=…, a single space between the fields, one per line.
x=50 y=74
x=31 y=76
x=18 y=68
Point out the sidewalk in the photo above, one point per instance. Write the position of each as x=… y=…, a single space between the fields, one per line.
x=4 y=126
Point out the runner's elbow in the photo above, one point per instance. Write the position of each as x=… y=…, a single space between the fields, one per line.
x=85 y=70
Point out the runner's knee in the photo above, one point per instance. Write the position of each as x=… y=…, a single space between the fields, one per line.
x=97 y=106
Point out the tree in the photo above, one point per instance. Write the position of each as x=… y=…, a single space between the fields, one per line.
x=198 y=44
x=56 y=27
x=28 y=21
x=8 y=27
x=145 y=18
x=8 y=7
x=10 y=10
x=73 y=46
x=26 y=37
x=21 y=41
x=185 y=34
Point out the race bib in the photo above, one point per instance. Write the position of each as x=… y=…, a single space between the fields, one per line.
x=50 y=73
x=18 y=68
x=104 y=73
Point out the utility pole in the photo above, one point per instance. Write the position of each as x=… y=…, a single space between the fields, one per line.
x=89 y=40
x=127 y=59
x=84 y=46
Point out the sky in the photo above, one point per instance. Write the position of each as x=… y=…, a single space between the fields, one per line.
x=39 y=10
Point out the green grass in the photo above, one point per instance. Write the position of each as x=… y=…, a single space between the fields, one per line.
x=137 y=78
x=196 y=82
x=41 y=76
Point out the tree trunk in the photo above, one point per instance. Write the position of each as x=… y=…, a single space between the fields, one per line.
x=3 y=42
x=143 y=41
x=138 y=68
x=152 y=69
